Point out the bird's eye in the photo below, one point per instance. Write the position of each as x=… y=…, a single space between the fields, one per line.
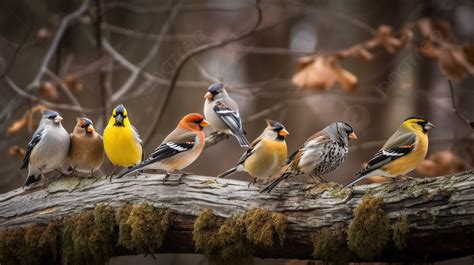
x=198 y=121
x=124 y=116
x=113 y=115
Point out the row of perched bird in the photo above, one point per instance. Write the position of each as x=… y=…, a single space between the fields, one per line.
x=265 y=157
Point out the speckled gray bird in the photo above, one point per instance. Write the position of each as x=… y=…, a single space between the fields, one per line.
x=320 y=154
x=222 y=112
x=47 y=149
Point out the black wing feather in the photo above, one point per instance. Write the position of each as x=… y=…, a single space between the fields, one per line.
x=34 y=141
x=230 y=117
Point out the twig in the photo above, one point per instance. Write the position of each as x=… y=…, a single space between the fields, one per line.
x=189 y=55
x=458 y=112
x=65 y=23
x=148 y=57
x=57 y=38
x=47 y=103
x=64 y=88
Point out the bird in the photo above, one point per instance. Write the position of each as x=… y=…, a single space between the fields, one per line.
x=401 y=153
x=86 y=153
x=266 y=154
x=322 y=153
x=122 y=143
x=222 y=112
x=47 y=149
x=179 y=149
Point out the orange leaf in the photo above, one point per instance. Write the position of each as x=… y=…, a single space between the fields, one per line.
x=73 y=83
x=49 y=91
x=16 y=151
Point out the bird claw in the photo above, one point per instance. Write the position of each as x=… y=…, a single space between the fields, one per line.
x=167 y=175
x=252 y=183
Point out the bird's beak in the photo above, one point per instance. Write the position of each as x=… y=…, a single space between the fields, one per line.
x=352 y=136
x=204 y=123
x=208 y=95
x=119 y=119
x=90 y=128
x=428 y=126
x=283 y=132
x=58 y=119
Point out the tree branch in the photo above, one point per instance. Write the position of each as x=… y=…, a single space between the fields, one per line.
x=458 y=112
x=438 y=210
x=189 y=55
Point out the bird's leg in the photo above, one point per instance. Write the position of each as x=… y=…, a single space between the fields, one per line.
x=73 y=170
x=182 y=175
x=92 y=173
x=112 y=173
x=252 y=183
x=167 y=174
x=406 y=177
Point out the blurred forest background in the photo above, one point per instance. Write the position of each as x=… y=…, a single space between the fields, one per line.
x=159 y=57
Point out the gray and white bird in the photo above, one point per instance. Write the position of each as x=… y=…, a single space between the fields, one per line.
x=86 y=153
x=222 y=112
x=320 y=154
x=47 y=149
x=266 y=154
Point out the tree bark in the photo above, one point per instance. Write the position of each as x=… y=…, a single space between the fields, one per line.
x=440 y=211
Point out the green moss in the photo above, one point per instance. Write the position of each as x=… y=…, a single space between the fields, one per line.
x=147 y=228
x=234 y=247
x=121 y=217
x=401 y=230
x=11 y=245
x=205 y=232
x=48 y=243
x=67 y=247
x=264 y=227
x=222 y=241
x=330 y=245
x=88 y=238
x=103 y=234
x=368 y=231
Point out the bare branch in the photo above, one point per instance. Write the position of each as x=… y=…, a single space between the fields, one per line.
x=189 y=55
x=458 y=112
x=50 y=104
x=64 y=88
x=148 y=57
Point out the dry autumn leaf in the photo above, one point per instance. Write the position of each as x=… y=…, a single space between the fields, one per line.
x=49 y=91
x=26 y=120
x=388 y=41
x=73 y=83
x=440 y=164
x=454 y=64
x=16 y=151
x=322 y=72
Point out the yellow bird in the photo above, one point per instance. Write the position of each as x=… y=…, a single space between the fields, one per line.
x=122 y=144
x=266 y=154
x=402 y=152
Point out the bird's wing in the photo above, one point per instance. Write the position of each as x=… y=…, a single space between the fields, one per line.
x=397 y=146
x=138 y=139
x=229 y=116
x=37 y=136
x=172 y=147
x=249 y=151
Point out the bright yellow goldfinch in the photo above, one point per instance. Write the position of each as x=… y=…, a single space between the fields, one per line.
x=402 y=152
x=122 y=143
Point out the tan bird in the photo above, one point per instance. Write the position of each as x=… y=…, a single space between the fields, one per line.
x=87 y=150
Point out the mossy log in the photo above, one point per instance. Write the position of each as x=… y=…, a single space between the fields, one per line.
x=435 y=215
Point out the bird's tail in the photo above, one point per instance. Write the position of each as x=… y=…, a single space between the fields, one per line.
x=242 y=140
x=131 y=170
x=359 y=176
x=32 y=178
x=227 y=173
x=276 y=182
